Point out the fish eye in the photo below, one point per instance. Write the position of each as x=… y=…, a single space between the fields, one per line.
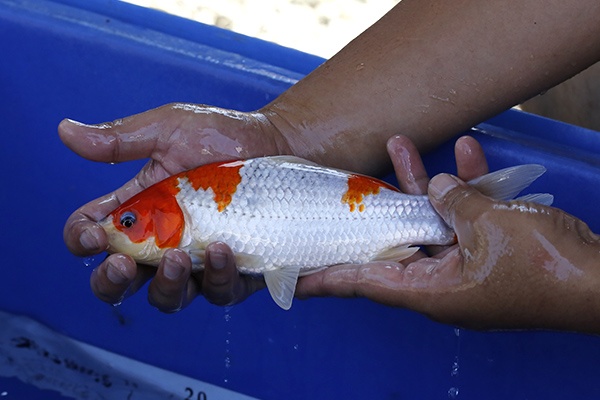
x=128 y=219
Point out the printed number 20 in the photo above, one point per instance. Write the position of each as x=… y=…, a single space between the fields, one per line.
x=199 y=395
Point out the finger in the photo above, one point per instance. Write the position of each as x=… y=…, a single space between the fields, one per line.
x=222 y=283
x=168 y=291
x=385 y=282
x=83 y=236
x=134 y=137
x=430 y=286
x=439 y=289
x=410 y=172
x=470 y=164
x=455 y=201
x=111 y=280
x=408 y=166
x=422 y=286
x=126 y=139
x=470 y=159
x=345 y=280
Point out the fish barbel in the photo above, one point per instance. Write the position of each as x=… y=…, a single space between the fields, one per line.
x=285 y=217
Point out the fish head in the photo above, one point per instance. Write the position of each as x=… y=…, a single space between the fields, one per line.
x=146 y=225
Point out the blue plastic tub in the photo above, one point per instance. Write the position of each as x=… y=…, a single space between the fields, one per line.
x=96 y=61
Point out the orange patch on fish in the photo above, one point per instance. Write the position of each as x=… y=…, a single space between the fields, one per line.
x=222 y=178
x=155 y=213
x=360 y=186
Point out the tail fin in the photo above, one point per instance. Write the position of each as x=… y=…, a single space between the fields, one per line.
x=506 y=183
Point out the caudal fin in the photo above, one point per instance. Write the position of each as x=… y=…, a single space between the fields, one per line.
x=506 y=183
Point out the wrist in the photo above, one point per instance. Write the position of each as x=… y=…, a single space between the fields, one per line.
x=329 y=140
x=291 y=134
x=280 y=131
x=254 y=137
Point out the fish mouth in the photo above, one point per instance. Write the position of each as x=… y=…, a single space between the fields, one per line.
x=146 y=252
x=111 y=233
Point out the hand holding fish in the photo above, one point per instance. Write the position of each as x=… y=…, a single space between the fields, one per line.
x=517 y=265
x=175 y=137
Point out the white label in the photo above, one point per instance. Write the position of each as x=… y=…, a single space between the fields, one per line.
x=48 y=360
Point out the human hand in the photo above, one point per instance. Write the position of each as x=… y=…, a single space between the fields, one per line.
x=516 y=265
x=175 y=137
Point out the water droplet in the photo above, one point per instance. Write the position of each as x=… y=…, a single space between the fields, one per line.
x=296 y=347
x=227 y=358
x=454 y=371
x=4 y=394
x=90 y=262
x=227 y=315
x=453 y=393
x=360 y=66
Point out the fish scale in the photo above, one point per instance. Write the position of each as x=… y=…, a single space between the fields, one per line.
x=292 y=214
x=284 y=217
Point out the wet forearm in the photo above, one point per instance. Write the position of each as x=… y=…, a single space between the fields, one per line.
x=430 y=69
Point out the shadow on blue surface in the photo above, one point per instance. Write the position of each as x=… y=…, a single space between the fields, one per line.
x=98 y=60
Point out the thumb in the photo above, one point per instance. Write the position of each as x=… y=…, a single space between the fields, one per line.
x=452 y=198
x=125 y=139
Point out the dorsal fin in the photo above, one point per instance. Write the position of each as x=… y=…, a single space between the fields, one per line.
x=292 y=160
x=506 y=183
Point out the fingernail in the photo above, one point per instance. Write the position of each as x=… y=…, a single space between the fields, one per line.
x=172 y=268
x=391 y=143
x=89 y=240
x=217 y=260
x=84 y=125
x=462 y=145
x=441 y=184
x=74 y=122
x=115 y=274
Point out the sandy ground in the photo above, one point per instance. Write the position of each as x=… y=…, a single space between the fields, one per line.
x=320 y=27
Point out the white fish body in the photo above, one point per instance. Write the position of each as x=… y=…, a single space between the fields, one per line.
x=284 y=217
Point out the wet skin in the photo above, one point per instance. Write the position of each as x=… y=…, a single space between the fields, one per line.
x=342 y=116
x=517 y=265
x=175 y=137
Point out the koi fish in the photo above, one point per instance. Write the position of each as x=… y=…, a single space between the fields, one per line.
x=285 y=217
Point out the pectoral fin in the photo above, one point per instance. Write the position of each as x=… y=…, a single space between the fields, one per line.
x=197 y=256
x=249 y=262
x=281 y=283
x=396 y=253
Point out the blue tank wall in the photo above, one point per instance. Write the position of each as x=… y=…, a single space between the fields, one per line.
x=98 y=60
